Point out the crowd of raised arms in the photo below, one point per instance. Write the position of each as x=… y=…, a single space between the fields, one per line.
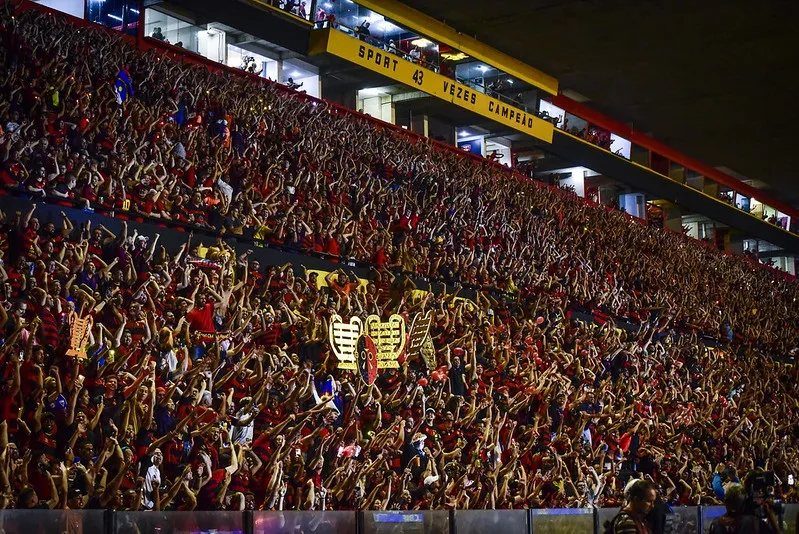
x=210 y=383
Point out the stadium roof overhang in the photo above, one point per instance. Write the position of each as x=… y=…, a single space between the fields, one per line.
x=662 y=187
x=714 y=80
x=288 y=33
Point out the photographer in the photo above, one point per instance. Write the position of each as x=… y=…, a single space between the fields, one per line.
x=760 y=502
x=735 y=521
x=641 y=496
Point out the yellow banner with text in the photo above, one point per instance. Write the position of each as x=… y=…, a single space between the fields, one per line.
x=395 y=67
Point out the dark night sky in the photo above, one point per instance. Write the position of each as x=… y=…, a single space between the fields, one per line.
x=714 y=79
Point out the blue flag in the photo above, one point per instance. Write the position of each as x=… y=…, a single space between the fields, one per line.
x=327 y=386
x=123 y=86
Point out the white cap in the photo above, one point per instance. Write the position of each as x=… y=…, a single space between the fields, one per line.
x=432 y=479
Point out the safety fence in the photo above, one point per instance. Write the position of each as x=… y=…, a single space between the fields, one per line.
x=683 y=520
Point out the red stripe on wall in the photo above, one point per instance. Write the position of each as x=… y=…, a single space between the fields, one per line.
x=618 y=128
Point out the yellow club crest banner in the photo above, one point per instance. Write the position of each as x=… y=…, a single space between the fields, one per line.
x=397 y=68
x=79 y=329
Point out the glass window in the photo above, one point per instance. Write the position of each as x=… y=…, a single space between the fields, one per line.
x=71 y=7
x=422 y=522
x=298 y=8
x=709 y=513
x=375 y=29
x=742 y=202
x=552 y=113
x=52 y=520
x=563 y=520
x=479 y=521
x=727 y=196
x=197 y=521
x=252 y=62
x=295 y=521
x=171 y=30
x=694 y=179
x=620 y=146
x=300 y=76
x=575 y=125
x=122 y=15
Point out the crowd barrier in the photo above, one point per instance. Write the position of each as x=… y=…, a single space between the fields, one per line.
x=684 y=520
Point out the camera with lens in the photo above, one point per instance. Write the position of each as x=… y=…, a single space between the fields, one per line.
x=760 y=497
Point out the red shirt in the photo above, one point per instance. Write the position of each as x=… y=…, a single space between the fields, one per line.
x=241 y=481
x=40 y=482
x=202 y=319
x=9 y=410
x=29 y=378
x=271 y=335
x=332 y=247
x=206 y=498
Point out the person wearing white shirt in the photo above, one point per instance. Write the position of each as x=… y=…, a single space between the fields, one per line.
x=152 y=480
x=244 y=424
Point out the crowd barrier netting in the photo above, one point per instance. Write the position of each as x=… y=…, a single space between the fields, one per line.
x=682 y=520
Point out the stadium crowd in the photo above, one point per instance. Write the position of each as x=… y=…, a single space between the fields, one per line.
x=210 y=383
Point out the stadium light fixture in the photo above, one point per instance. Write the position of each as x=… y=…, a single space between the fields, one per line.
x=386 y=26
x=371 y=91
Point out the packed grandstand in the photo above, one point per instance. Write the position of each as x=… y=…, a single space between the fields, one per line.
x=572 y=349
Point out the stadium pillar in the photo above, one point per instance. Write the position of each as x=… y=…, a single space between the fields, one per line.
x=140 y=28
x=672 y=216
x=420 y=124
x=736 y=242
